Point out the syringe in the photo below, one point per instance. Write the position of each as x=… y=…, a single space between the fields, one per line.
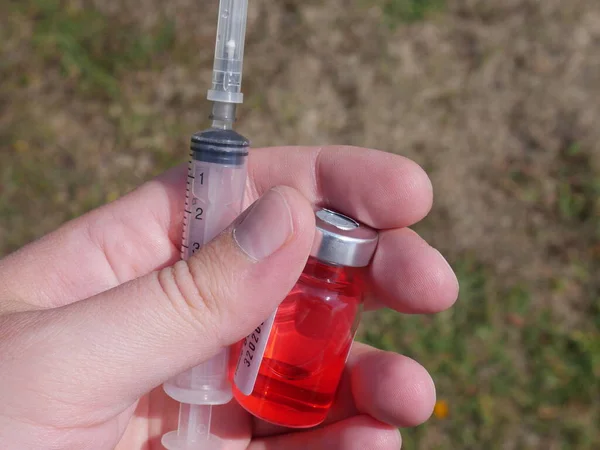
x=215 y=188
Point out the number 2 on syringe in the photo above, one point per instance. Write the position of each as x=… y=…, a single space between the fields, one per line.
x=196 y=212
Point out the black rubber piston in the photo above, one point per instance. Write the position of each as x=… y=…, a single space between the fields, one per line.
x=220 y=146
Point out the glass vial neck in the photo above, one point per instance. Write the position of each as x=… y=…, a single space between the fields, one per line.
x=327 y=272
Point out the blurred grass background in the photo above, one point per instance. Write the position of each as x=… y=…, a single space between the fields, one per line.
x=498 y=99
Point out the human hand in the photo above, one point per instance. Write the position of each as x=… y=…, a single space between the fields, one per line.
x=95 y=316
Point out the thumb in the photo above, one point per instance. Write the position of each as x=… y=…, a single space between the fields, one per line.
x=107 y=351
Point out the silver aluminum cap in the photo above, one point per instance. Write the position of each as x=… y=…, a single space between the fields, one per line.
x=343 y=241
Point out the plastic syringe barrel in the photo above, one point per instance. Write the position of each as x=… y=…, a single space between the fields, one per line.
x=229 y=52
x=215 y=190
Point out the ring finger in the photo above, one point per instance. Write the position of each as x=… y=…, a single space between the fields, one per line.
x=389 y=387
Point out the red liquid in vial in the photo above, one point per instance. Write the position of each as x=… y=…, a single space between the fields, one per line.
x=307 y=348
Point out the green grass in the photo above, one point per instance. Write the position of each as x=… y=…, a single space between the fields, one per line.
x=578 y=188
x=506 y=368
x=40 y=189
x=90 y=48
x=407 y=11
x=42 y=182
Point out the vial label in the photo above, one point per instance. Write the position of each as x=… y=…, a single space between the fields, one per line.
x=251 y=355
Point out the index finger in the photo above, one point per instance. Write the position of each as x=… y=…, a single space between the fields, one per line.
x=140 y=232
x=381 y=189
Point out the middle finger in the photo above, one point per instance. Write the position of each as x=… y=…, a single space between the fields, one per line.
x=410 y=276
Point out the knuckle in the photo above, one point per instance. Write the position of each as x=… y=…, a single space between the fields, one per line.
x=211 y=279
x=195 y=290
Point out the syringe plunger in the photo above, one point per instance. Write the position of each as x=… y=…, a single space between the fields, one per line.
x=194 y=431
x=205 y=384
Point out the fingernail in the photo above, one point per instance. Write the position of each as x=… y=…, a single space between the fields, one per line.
x=266 y=227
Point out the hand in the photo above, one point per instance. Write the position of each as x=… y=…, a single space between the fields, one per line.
x=95 y=316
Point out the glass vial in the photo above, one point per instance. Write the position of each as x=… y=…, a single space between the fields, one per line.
x=289 y=368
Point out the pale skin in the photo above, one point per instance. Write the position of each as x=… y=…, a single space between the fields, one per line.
x=95 y=316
